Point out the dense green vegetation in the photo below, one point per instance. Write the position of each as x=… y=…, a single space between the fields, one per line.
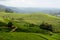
x=28 y=26
x=27 y=36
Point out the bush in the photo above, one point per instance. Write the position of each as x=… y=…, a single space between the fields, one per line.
x=46 y=26
x=10 y=24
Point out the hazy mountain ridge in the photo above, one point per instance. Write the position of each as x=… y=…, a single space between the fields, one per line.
x=30 y=10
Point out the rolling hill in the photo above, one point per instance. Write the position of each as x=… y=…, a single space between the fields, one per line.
x=24 y=32
x=35 y=18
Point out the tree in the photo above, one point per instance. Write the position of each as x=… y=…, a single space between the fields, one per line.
x=8 y=11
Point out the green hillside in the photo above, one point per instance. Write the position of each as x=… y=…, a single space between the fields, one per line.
x=24 y=29
x=25 y=36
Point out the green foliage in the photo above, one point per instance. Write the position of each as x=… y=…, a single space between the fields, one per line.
x=8 y=11
x=10 y=24
x=46 y=26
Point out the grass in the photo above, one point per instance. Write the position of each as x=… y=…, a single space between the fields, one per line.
x=20 y=36
x=19 y=20
x=23 y=21
x=24 y=36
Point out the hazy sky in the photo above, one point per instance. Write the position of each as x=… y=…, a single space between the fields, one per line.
x=32 y=3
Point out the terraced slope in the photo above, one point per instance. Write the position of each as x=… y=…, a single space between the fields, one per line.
x=22 y=21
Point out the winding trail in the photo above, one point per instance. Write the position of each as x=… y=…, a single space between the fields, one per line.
x=13 y=30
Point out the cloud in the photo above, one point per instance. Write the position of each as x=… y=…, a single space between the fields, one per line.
x=32 y=3
x=3 y=0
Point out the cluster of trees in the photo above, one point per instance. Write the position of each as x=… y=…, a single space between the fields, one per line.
x=43 y=28
x=8 y=11
x=46 y=26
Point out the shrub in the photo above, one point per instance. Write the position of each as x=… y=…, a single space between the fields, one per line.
x=46 y=26
x=10 y=24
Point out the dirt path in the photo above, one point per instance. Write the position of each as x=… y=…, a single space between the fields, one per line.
x=13 y=30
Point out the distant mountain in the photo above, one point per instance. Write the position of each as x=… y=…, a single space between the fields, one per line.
x=5 y=9
x=32 y=10
x=2 y=8
x=29 y=9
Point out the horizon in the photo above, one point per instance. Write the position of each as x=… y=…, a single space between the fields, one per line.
x=29 y=7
